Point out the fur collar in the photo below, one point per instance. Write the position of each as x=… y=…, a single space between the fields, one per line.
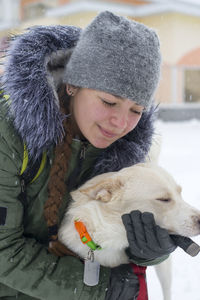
x=33 y=69
x=33 y=63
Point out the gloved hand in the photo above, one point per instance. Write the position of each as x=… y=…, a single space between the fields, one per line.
x=146 y=239
x=123 y=284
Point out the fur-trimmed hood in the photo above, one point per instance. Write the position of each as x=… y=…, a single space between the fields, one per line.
x=33 y=70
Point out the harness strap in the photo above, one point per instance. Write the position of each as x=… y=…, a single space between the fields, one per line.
x=25 y=160
x=140 y=272
x=42 y=164
x=30 y=171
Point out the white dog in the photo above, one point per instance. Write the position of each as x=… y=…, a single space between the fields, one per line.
x=101 y=202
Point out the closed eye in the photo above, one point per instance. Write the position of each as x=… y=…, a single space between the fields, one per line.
x=164 y=199
x=108 y=103
x=136 y=112
x=111 y=104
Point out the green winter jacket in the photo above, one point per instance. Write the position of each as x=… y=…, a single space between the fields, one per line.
x=27 y=270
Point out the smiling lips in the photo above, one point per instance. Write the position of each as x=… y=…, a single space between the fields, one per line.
x=107 y=134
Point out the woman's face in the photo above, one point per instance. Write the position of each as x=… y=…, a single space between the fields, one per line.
x=103 y=118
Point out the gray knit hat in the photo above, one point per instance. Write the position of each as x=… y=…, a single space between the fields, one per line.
x=117 y=56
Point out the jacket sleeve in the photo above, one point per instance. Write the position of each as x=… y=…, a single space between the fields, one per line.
x=25 y=264
x=146 y=263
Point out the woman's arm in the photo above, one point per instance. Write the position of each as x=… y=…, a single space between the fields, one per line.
x=25 y=264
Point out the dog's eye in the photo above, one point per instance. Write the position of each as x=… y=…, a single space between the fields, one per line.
x=164 y=199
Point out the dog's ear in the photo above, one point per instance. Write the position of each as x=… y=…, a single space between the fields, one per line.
x=104 y=190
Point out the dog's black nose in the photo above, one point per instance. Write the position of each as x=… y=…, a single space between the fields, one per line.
x=196 y=219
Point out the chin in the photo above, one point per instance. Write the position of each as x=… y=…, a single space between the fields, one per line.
x=101 y=145
x=99 y=142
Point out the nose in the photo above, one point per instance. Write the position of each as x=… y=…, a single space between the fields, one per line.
x=196 y=220
x=119 y=120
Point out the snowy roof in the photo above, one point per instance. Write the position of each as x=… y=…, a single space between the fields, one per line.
x=151 y=8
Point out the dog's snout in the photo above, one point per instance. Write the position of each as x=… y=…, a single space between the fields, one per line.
x=196 y=219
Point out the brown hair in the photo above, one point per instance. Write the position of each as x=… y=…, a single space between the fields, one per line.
x=57 y=186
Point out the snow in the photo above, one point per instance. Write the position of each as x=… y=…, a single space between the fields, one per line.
x=180 y=155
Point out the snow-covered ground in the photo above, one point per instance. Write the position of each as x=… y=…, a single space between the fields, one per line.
x=180 y=155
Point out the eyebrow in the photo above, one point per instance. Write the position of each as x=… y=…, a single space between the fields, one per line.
x=119 y=97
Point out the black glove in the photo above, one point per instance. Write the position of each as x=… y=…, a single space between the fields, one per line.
x=123 y=284
x=146 y=239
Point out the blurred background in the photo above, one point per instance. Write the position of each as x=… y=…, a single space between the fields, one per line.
x=176 y=22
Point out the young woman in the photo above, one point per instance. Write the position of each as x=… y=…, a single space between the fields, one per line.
x=83 y=99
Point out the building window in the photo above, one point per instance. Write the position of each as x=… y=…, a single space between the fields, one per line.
x=192 y=85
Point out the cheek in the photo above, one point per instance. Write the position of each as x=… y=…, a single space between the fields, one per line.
x=81 y=110
x=90 y=114
x=100 y=113
x=132 y=122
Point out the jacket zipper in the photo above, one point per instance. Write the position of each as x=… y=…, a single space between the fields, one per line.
x=22 y=196
x=83 y=150
x=23 y=185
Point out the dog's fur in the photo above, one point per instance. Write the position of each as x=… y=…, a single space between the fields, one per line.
x=101 y=202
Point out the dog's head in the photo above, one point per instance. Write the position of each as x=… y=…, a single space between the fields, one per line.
x=144 y=187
